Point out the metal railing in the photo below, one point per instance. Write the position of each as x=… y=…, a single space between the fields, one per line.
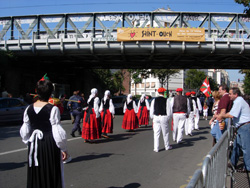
x=217 y=25
x=214 y=168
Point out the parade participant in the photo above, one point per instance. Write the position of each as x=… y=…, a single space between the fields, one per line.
x=76 y=110
x=198 y=110
x=189 y=124
x=160 y=112
x=241 y=119
x=46 y=140
x=224 y=107
x=181 y=109
x=205 y=111
x=71 y=112
x=130 y=121
x=91 y=125
x=143 y=111
x=107 y=111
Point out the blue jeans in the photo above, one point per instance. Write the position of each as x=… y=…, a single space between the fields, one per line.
x=242 y=142
x=77 y=115
x=216 y=132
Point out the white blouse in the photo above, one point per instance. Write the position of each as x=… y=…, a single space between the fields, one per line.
x=111 y=107
x=58 y=132
x=134 y=107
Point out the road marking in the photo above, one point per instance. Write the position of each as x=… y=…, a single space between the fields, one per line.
x=23 y=149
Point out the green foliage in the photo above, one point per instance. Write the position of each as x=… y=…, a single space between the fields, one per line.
x=107 y=79
x=118 y=78
x=194 y=78
x=163 y=75
x=246 y=85
x=246 y=4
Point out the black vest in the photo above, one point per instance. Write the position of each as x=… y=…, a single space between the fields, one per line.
x=106 y=105
x=129 y=105
x=41 y=120
x=180 y=104
x=142 y=103
x=160 y=106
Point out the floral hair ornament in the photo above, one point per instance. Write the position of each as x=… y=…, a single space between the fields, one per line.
x=45 y=77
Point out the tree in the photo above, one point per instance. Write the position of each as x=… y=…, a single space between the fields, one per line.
x=136 y=76
x=118 y=78
x=194 y=78
x=164 y=75
x=246 y=81
x=246 y=4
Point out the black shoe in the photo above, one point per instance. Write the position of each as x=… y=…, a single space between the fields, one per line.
x=190 y=134
x=73 y=134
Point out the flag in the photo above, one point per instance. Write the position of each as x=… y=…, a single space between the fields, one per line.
x=205 y=88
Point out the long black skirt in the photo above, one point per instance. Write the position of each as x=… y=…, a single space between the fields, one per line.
x=48 y=172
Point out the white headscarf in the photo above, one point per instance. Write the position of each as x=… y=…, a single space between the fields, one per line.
x=129 y=98
x=142 y=97
x=106 y=95
x=94 y=91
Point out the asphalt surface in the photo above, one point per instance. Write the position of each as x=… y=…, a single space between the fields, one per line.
x=126 y=160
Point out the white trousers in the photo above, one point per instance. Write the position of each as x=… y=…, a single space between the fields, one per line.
x=196 y=119
x=189 y=124
x=160 y=124
x=178 y=127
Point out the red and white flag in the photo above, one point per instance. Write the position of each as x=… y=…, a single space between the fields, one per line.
x=205 y=88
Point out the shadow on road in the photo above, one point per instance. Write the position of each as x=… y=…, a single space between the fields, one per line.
x=131 y=185
x=187 y=142
x=11 y=166
x=90 y=157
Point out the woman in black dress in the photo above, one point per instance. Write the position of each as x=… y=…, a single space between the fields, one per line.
x=46 y=140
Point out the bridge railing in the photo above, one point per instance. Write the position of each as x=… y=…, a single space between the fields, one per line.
x=214 y=168
x=92 y=25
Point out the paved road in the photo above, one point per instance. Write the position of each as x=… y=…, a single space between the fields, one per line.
x=126 y=160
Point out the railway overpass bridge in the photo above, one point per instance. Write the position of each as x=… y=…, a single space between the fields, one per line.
x=90 y=40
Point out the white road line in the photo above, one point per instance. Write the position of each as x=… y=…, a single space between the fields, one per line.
x=23 y=149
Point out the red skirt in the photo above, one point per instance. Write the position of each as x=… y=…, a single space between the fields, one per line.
x=107 y=122
x=90 y=129
x=130 y=120
x=143 y=116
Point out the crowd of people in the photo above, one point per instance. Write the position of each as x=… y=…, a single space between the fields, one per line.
x=46 y=138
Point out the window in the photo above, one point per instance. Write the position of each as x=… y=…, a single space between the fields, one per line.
x=152 y=84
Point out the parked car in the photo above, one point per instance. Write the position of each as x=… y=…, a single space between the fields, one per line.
x=118 y=102
x=12 y=109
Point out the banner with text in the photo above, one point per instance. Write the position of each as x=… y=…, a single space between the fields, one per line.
x=161 y=34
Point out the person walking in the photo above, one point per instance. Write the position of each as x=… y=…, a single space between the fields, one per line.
x=189 y=124
x=241 y=119
x=130 y=121
x=205 y=111
x=107 y=111
x=160 y=112
x=181 y=109
x=46 y=139
x=198 y=110
x=91 y=123
x=143 y=111
x=76 y=108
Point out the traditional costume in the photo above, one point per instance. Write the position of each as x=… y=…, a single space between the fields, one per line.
x=189 y=125
x=130 y=121
x=107 y=111
x=198 y=110
x=160 y=112
x=181 y=108
x=143 y=111
x=45 y=137
x=91 y=125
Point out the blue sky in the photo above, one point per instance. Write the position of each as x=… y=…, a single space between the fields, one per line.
x=34 y=7
x=31 y=7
